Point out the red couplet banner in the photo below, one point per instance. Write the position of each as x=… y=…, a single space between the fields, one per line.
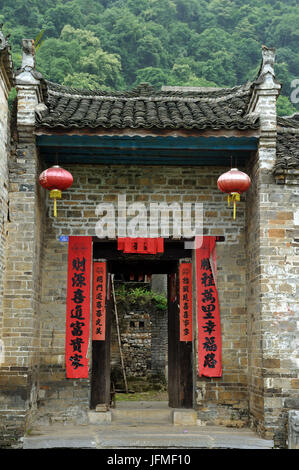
x=185 y=273
x=78 y=306
x=99 y=301
x=208 y=317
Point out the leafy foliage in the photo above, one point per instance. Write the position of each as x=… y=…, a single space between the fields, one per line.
x=141 y=296
x=120 y=43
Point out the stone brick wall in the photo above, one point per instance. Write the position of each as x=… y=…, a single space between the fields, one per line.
x=135 y=335
x=143 y=332
x=273 y=305
x=20 y=318
x=20 y=330
x=272 y=274
x=94 y=185
x=4 y=183
x=4 y=152
x=224 y=400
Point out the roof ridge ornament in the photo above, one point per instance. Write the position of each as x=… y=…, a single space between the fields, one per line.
x=144 y=89
x=266 y=72
x=3 y=39
x=27 y=74
x=28 y=58
x=6 y=60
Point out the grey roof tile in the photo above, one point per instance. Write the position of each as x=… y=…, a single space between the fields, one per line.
x=146 y=108
x=287 y=148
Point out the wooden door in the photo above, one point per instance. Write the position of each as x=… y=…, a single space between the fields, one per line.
x=180 y=357
x=100 y=376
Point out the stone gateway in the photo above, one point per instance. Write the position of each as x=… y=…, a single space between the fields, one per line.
x=148 y=146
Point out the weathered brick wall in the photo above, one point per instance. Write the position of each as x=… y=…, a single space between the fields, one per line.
x=273 y=325
x=143 y=333
x=253 y=294
x=76 y=216
x=272 y=300
x=4 y=152
x=4 y=156
x=272 y=280
x=281 y=306
x=225 y=400
x=20 y=330
x=272 y=274
x=20 y=319
x=147 y=184
x=159 y=344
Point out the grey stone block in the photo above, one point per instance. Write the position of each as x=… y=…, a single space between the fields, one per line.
x=293 y=429
x=103 y=417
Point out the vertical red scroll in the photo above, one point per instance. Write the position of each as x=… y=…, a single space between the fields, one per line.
x=208 y=317
x=99 y=301
x=78 y=306
x=185 y=273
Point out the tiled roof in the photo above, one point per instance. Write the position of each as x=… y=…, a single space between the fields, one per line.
x=287 y=150
x=146 y=108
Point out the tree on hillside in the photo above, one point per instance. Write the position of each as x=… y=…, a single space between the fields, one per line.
x=118 y=43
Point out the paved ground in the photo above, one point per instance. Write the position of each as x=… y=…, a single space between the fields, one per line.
x=142 y=425
x=162 y=436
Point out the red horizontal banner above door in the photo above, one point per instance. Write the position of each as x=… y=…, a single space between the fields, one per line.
x=149 y=246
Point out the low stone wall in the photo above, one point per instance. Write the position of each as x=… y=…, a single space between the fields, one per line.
x=143 y=334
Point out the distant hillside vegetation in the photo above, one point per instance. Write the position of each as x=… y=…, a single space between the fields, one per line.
x=120 y=43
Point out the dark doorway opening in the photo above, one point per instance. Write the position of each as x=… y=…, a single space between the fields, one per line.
x=153 y=346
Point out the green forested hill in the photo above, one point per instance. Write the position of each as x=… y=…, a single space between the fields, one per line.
x=120 y=43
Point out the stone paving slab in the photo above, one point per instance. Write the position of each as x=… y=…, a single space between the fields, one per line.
x=143 y=437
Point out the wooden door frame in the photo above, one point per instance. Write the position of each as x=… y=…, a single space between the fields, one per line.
x=100 y=373
x=180 y=371
x=180 y=355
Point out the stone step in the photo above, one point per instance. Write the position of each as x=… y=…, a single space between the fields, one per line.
x=146 y=412
x=151 y=436
x=142 y=413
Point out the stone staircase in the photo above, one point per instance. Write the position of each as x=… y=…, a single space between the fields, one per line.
x=143 y=413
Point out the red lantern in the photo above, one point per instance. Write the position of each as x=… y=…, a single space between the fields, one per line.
x=55 y=179
x=233 y=182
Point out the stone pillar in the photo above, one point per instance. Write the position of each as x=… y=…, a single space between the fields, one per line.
x=293 y=429
x=159 y=283
x=20 y=330
x=6 y=83
x=270 y=280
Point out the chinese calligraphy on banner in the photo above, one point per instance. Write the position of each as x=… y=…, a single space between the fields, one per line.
x=99 y=301
x=185 y=273
x=78 y=306
x=209 y=328
x=149 y=246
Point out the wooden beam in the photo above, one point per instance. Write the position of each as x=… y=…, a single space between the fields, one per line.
x=154 y=132
x=154 y=143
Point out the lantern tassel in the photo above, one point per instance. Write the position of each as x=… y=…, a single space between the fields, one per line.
x=55 y=194
x=235 y=197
